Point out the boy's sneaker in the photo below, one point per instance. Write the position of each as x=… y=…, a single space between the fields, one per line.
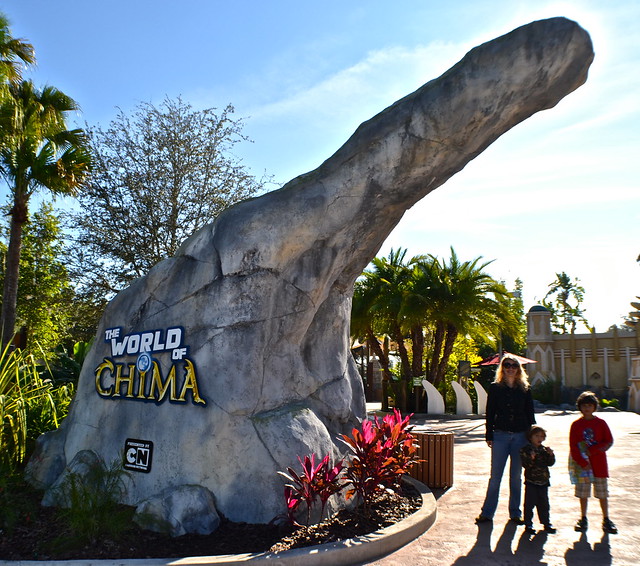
x=608 y=527
x=582 y=525
x=529 y=530
x=550 y=529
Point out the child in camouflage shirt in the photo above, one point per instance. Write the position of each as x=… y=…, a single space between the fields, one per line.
x=536 y=460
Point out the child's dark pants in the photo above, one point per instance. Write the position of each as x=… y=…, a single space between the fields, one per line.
x=536 y=496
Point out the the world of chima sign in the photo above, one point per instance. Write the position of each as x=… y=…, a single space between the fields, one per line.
x=227 y=361
x=143 y=379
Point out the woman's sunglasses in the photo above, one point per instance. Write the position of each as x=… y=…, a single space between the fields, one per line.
x=510 y=366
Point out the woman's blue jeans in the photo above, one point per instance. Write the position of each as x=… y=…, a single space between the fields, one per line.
x=506 y=445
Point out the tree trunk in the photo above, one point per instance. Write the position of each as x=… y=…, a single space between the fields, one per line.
x=417 y=344
x=450 y=339
x=402 y=351
x=417 y=349
x=405 y=366
x=438 y=339
x=384 y=363
x=12 y=271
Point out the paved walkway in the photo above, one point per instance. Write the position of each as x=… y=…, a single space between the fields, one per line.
x=456 y=540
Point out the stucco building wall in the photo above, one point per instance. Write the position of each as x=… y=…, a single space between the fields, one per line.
x=598 y=361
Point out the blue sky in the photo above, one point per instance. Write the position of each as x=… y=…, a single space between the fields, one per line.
x=557 y=193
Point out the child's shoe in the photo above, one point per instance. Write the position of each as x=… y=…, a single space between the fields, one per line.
x=529 y=530
x=608 y=527
x=549 y=528
x=581 y=525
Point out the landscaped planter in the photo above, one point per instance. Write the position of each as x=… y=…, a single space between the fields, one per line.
x=352 y=551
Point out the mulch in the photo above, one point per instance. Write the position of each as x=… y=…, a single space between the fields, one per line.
x=41 y=533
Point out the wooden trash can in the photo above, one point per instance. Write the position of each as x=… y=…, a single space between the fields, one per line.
x=436 y=449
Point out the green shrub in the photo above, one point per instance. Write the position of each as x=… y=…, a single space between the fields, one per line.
x=23 y=393
x=43 y=417
x=19 y=501
x=91 y=502
x=545 y=392
x=63 y=368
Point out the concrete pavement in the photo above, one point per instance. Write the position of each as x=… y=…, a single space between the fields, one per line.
x=455 y=539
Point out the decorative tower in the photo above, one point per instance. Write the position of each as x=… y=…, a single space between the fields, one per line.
x=540 y=343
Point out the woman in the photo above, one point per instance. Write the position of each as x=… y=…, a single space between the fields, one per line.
x=509 y=417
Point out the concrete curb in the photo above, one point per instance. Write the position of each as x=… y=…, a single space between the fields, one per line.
x=344 y=553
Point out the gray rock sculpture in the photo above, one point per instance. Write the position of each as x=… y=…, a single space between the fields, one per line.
x=230 y=359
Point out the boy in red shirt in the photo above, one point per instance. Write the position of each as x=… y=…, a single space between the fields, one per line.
x=589 y=440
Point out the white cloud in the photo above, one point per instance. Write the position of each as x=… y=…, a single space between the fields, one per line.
x=360 y=91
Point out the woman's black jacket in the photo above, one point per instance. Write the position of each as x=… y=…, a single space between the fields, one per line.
x=509 y=409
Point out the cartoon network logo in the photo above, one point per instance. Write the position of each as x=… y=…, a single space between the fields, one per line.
x=138 y=455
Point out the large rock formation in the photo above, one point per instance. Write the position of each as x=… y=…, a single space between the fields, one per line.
x=230 y=359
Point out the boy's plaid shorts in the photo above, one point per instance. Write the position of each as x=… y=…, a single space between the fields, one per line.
x=600 y=489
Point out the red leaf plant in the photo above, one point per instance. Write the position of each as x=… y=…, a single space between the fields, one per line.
x=316 y=482
x=381 y=453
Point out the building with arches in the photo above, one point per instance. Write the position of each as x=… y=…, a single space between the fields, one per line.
x=607 y=363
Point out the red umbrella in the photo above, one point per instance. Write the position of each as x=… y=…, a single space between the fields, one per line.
x=495 y=360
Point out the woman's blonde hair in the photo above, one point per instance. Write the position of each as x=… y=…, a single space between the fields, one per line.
x=521 y=379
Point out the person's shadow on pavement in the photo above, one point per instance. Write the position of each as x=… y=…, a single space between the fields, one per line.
x=581 y=552
x=481 y=550
x=531 y=547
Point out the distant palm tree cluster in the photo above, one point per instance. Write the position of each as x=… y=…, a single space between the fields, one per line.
x=423 y=305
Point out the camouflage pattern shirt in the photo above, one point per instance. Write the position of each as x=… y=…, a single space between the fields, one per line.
x=536 y=462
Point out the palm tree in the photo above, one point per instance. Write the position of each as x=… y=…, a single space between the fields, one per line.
x=365 y=326
x=14 y=54
x=391 y=278
x=36 y=151
x=459 y=299
x=379 y=308
x=564 y=300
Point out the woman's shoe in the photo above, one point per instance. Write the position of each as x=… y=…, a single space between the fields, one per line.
x=550 y=529
x=517 y=520
x=483 y=519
